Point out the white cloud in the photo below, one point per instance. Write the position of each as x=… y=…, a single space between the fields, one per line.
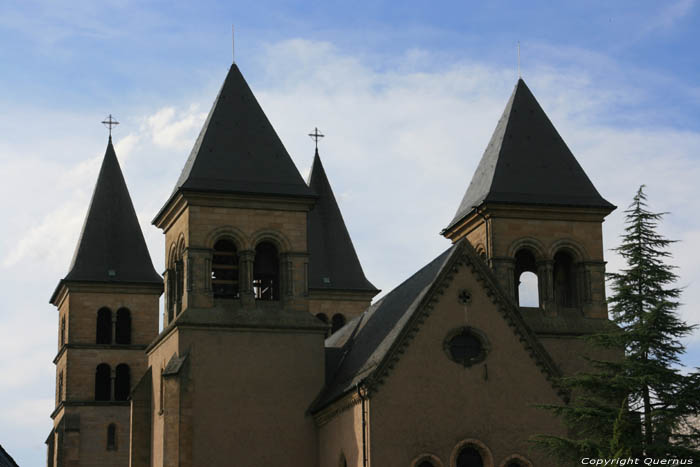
x=401 y=147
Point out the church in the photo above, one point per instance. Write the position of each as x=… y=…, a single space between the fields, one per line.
x=273 y=352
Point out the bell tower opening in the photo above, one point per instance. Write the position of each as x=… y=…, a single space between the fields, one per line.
x=564 y=280
x=525 y=280
x=266 y=272
x=224 y=270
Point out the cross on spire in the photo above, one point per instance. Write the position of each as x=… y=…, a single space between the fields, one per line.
x=316 y=136
x=110 y=123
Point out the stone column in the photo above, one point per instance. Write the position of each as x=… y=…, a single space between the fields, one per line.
x=245 y=274
x=504 y=268
x=287 y=275
x=545 y=284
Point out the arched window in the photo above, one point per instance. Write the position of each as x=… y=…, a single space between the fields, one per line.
x=322 y=317
x=171 y=293
x=123 y=331
x=337 y=322
x=104 y=326
x=63 y=330
x=122 y=383
x=266 y=272
x=224 y=269
x=102 y=382
x=60 y=386
x=179 y=284
x=526 y=286
x=469 y=456
x=112 y=437
x=564 y=280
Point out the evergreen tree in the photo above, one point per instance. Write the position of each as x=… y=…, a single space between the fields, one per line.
x=640 y=404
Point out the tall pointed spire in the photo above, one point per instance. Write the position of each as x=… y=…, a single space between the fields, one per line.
x=333 y=262
x=527 y=162
x=111 y=247
x=238 y=151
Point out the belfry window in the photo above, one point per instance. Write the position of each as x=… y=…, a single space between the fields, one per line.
x=266 y=272
x=123 y=329
x=564 y=280
x=103 y=382
x=469 y=456
x=179 y=284
x=122 y=382
x=224 y=270
x=337 y=322
x=104 y=326
x=63 y=330
x=60 y=386
x=526 y=284
x=112 y=437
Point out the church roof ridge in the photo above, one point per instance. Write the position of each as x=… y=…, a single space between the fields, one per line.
x=111 y=247
x=528 y=162
x=333 y=261
x=238 y=150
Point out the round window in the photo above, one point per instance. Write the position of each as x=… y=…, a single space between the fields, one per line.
x=466 y=346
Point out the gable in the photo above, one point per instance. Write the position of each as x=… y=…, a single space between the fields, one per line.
x=428 y=402
x=372 y=344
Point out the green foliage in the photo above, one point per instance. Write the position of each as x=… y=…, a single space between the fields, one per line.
x=642 y=404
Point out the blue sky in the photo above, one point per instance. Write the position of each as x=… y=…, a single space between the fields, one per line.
x=407 y=94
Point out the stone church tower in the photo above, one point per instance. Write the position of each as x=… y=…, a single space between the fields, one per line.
x=108 y=314
x=272 y=352
x=530 y=207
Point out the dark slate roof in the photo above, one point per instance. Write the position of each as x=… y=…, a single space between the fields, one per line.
x=527 y=162
x=111 y=239
x=366 y=339
x=6 y=460
x=362 y=350
x=238 y=151
x=333 y=263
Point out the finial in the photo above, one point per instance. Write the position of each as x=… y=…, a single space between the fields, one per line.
x=316 y=136
x=233 y=44
x=110 y=123
x=518 y=59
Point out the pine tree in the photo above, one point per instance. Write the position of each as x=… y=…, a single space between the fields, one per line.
x=641 y=404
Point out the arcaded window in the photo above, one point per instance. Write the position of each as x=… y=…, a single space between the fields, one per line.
x=123 y=330
x=266 y=272
x=104 y=326
x=63 y=330
x=322 y=317
x=564 y=280
x=102 y=382
x=526 y=286
x=60 y=386
x=122 y=382
x=337 y=322
x=224 y=270
x=112 y=437
x=469 y=456
x=179 y=284
x=171 y=290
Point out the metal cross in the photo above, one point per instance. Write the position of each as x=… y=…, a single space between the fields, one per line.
x=316 y=136
x=110 y=123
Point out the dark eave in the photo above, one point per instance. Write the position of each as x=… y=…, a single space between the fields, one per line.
x=238 y=150
x=528 y=163
x=111 y=248
x=333 y=262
